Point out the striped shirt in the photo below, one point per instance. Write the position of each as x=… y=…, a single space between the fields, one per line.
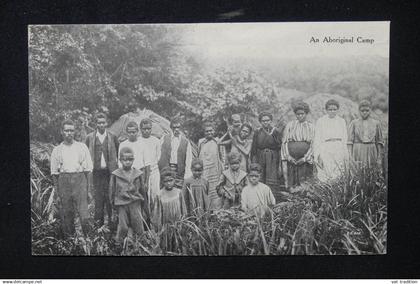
x=296 y=131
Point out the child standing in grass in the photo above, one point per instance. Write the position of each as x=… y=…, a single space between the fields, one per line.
x=256 y=197
x=128 y=195
x=169 y=205
x=196 y=189
x=231 y=182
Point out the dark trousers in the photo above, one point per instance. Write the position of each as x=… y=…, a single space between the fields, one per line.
x=72 y=190
x=129 y=215
x=101 y=196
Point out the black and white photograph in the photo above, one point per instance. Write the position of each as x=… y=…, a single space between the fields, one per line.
x=209 y=139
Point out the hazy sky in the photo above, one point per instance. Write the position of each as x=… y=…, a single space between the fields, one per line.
x=284 y=40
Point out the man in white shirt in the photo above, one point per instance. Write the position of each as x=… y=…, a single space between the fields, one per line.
x=103 y=147
x=70 y=168
x=150 y=156
x=176 y=153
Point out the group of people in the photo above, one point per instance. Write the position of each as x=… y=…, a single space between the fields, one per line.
x=151 y=182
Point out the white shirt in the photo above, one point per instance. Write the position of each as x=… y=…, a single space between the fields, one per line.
x=101 y=138
x=329 y=128
x=73 y=158
x=174 y=149
x=151 y=150
x=256 y=199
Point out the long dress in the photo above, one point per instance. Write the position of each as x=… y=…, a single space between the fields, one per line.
x=366 y=136
x=265 y=151
x=195 y=192
x=243 y=148
x=330 y=147
x=256 y=199
x=297 y=143
x=212 y=168
x=169 y=207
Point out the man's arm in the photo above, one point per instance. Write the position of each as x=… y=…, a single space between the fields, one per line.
x=147 y=171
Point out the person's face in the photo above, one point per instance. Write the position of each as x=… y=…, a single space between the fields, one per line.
x=146 y=130
x=168 y=182
x=132 y=133
x=176 y=128
x=364 y=112
x=266 y=122
x=68 y=133
x=209 y=132
x=254 y=177
x=197 y=170
x=236 y=122
x=101 y=125
x=126 y=160
x=300 y=115
x=332 y=111
x=234 y=166
x=244 y=133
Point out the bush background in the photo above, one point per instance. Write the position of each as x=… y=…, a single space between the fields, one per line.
x=81 y=69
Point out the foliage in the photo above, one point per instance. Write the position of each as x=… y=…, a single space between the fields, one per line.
x=76 y=70
x=348 y=216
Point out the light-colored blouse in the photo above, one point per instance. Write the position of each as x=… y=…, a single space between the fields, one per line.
x=329 y=129
x=256 y=199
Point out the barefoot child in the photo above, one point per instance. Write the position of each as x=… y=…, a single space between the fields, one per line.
x=256 y=197
x=231 y=182
x=128 y=195
x=169 y=205
x=195 y=189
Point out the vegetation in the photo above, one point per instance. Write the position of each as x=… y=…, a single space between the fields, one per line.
x=77 y=70
x=347 y=217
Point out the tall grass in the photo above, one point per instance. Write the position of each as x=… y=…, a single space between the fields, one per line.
x=347 y=216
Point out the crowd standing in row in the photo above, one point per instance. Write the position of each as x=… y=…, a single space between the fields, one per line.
x=151 y=182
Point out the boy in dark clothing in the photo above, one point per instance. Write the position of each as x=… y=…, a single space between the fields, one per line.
x=128 y=196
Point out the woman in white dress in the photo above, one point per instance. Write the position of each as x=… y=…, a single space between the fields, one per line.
x=330 y=143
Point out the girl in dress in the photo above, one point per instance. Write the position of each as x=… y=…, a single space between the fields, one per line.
x=196 y=189
x=298 y=137
x=330 y=143
x=169 y=205
x=231 y=182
